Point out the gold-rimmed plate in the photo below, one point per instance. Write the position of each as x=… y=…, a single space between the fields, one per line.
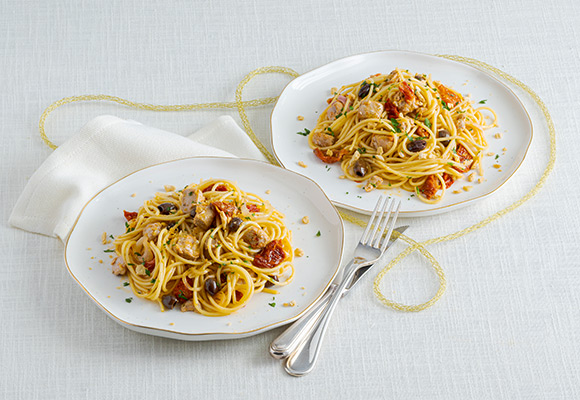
x=306 y=96
x=292 y=194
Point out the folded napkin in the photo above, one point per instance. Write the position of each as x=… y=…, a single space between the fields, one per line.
x=106 y=149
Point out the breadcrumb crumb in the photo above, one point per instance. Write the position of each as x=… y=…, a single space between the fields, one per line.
x=300 y=118
x=169 y=188
x=301 y=163
x=305 y=220
x=298 y=252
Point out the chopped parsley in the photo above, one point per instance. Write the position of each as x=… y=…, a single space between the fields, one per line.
x=109 y=251
x=445 y=106
x=272 y=304
x=318 y=233
x=361 y=150
x=129 y=299
x=496 y=156
x=153 y=280
x=427 y=123
x=125 y=283
x=395 y=125
x=482 y=101
x=305 y=133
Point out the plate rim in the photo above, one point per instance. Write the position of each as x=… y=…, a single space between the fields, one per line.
x=417 y=213
x=214 y=335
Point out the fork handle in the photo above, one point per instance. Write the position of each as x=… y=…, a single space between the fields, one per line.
x=302 y=361
x=293 y=336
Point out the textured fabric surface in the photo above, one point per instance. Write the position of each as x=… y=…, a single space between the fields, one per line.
x=106 y=149
x=508 y=326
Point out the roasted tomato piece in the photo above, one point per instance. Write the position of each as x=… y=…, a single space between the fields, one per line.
x=407 y=92
x=329 y=159
x=227 y=208
x=422 y=132
x=464 y=157
x=150 y=265
x=218 y=188
x=430 y=187
x=448 y=96
x=130 y=215
x=270 y=256
x=239 y=295
x=182 y=292
x=448 y=179
x=391 y=109
x=252 y=208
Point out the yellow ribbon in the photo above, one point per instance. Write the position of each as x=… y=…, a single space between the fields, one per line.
x=242 y=105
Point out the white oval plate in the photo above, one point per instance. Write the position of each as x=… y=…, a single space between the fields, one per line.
x=290 y=193
x=307 y=94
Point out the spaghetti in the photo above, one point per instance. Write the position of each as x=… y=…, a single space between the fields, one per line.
x=208 y=248
x=402 y=130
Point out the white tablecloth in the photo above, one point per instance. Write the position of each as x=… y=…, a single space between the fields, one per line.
x=509 y=324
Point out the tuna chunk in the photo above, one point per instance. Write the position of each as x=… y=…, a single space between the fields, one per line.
x=256 y=237
x=321 y=139
x=187 y=246
x=383 y=141
x=152 y=230
x=335 y=108
x=204 y=216
x=119 y=266
x=191 y=198
x=370 y=109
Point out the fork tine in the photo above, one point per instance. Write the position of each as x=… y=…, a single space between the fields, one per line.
x=365 y=236
x=391 y=226
x=382 y=223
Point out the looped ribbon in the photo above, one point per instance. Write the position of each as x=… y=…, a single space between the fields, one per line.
x=241 y=107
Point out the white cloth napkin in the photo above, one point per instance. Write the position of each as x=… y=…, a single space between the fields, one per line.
x=103 y=151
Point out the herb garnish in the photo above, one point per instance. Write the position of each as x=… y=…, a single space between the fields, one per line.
x=395 y=125
x=305 y=133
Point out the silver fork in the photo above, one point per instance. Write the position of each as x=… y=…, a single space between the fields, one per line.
x=370 y=248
